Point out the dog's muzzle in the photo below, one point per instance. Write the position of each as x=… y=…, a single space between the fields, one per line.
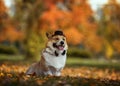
x=59 y=47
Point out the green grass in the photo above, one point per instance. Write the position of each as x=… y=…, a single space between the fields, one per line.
x=11 y=57
x=71 y=61
x=99 y=63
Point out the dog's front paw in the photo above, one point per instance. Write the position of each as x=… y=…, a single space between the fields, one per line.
x=57 y=74
x=48 y=73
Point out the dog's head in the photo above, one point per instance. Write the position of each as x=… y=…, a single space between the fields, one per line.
x=57 y=40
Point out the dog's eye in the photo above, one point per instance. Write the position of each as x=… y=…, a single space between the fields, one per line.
x=63 y=39
x=56 y=38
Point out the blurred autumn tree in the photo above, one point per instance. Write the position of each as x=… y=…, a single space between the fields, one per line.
x=8 y=29
x=27 y=13
x=109 y=28
x=76 y=18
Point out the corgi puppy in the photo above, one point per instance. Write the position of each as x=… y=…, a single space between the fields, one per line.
x=53 y=57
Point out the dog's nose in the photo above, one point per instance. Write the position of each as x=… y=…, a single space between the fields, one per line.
x=61 y=42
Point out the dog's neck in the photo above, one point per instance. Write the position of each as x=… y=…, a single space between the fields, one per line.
x=60 y=53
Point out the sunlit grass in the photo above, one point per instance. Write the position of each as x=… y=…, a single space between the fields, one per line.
x=99 y=63
x=11 y=57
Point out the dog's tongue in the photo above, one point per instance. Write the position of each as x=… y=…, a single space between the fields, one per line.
x=60 y=47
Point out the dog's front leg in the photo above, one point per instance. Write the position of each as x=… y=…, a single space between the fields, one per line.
x=48 y=73
x=58 y=72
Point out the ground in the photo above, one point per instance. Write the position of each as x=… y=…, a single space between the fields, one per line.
x=78 y=72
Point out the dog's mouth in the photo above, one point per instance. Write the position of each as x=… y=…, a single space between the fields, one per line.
x=59 y=47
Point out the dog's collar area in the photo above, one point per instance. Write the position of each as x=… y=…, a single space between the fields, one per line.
x=56 y=54
x=45 y=51
x=64 y=52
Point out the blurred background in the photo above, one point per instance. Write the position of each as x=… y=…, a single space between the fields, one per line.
x=92 y=27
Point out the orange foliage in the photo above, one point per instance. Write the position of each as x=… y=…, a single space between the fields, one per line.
x=2 y=7
x=11 y=34
x=55 y=18
x=7 y=29
x=73 y=36
x=93 y=43
x=116 y=45
x=71 y=20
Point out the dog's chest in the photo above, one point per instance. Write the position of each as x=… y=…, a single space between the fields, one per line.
x=56 y=62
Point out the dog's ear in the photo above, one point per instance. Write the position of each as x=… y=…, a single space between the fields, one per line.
x=49 y=35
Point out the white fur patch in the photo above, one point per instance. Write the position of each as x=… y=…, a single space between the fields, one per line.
x=56 y=62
